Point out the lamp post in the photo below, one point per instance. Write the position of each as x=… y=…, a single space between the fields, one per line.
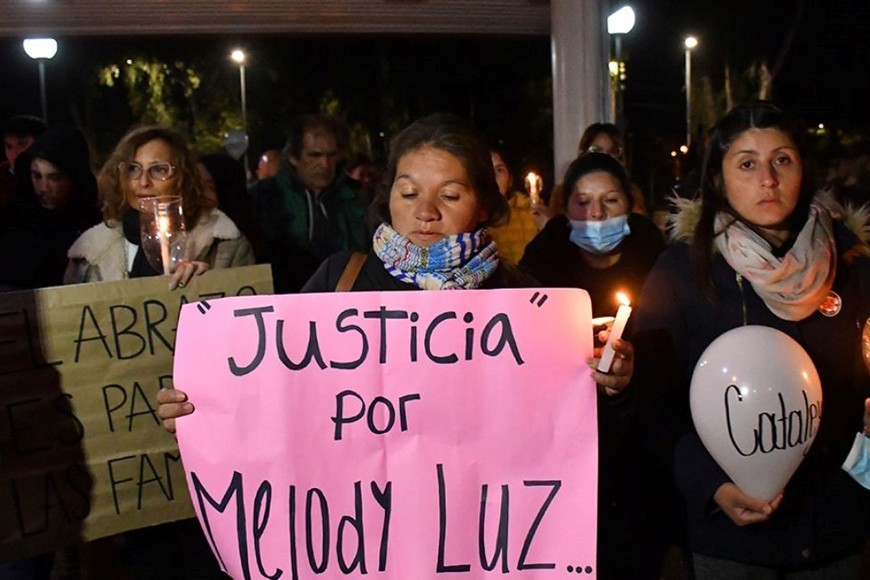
x=690 y=42
x=238 y=55
x=619 y=23
x=41 y=50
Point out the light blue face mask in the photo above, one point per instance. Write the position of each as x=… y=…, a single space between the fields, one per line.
x=857 y=464
x=599 y=237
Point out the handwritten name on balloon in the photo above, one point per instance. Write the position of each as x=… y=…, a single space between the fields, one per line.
x=777 y=429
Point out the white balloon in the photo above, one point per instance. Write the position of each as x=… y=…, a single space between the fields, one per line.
x=756 y=402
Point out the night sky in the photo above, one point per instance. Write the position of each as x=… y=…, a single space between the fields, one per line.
x=502 y=83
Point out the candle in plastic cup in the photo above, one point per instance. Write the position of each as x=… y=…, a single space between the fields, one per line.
x=163 y=227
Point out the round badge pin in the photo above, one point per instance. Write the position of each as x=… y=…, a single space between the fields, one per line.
x=832 y=304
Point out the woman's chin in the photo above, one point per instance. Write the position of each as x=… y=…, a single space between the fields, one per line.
x=425 y=240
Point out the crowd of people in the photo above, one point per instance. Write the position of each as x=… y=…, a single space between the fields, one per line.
x=760 y=243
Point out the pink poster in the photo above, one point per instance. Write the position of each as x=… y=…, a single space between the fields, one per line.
x=404 y=435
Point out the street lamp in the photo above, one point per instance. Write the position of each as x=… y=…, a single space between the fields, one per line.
x=690 y=42
x=619 y=23
x=41 y=50
x=238 y=55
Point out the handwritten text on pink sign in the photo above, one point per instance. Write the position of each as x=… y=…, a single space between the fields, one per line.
x=402 y=434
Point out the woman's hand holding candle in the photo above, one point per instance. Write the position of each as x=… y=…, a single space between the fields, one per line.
x=616 y=331
x=615 y=381
x=616 y=359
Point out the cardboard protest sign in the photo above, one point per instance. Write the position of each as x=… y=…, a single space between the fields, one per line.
x=82 y=452
x=403 y=434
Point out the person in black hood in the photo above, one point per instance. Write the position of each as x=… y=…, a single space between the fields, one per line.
x=56 y=202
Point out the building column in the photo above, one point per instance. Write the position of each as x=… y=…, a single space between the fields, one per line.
x=581 y=89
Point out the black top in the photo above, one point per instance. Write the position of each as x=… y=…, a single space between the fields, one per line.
x=824 y=513
x=632 y=487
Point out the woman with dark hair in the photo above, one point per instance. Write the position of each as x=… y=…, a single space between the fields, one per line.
x=148 y=162
x=56 y=202
x=433 y=218
x=432 y=233
x=759 y=248
x=599 y=245
x=520 y=228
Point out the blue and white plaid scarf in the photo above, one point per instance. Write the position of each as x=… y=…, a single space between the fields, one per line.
x=459 y=261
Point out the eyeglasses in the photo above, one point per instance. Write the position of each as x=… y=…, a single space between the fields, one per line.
x=156 y=171
x=615 y=152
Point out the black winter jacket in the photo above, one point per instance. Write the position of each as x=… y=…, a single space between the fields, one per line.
x=824 y=513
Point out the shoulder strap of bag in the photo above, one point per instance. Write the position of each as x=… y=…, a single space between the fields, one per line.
x=351 y=272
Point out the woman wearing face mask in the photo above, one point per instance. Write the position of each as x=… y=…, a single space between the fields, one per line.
x=598 y=244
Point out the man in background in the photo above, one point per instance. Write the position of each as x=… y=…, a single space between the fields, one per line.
x=309 y=209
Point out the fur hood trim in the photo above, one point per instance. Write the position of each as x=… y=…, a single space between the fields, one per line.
x=104 y=247
x=687 y=213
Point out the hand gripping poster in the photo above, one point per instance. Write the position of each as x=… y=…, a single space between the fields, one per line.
x=392 y=434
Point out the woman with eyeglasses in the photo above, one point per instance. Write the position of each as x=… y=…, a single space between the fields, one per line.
x=601 y=138
x=148 y=162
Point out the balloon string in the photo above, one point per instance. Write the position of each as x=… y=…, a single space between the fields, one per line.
x=742 y=299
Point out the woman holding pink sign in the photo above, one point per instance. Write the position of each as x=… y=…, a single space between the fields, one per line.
x=759 y=254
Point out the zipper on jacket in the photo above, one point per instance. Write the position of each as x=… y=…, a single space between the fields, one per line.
x=742 y=299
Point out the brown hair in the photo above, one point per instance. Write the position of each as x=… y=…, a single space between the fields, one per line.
x=188 y=183
x=455 y=136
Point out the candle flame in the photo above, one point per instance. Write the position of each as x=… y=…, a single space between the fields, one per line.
x=623 y=298
x=533 y=181
x=163 y=225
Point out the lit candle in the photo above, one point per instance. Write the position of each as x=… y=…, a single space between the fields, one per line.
x=163 y=227
x=534 y=185
x=615 y=333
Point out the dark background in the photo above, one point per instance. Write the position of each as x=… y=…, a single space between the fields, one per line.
x=818 y=54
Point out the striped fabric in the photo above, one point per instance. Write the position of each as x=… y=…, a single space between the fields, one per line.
x=453 y=262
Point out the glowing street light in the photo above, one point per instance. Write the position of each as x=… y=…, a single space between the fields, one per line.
x=238 y=56
x=41 y=50
x=619 y=23
x=690 y=43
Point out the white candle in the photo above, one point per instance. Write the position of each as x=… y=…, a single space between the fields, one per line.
x=622 y=315
x=163 y=227
x=534 y=185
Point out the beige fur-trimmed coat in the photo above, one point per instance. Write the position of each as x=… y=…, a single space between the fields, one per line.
x=99 y=254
